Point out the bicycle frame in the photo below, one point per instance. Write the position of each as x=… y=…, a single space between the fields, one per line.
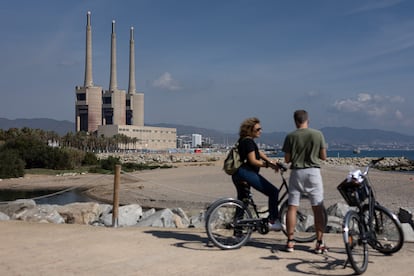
x=258 y=223
x=372 y=224
x=368 y=222
x=230 y=221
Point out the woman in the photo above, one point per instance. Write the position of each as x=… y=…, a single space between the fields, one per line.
x=253 y=160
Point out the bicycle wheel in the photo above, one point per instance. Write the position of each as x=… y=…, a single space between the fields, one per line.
x=355 y=243
x=222 y=224
x=305 y=221
x=388 y=233
x=212 y=206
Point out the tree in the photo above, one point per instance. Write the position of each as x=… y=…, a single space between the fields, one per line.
x=11 y=165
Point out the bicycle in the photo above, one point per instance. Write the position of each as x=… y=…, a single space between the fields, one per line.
x=369 y=223
x=230 y=222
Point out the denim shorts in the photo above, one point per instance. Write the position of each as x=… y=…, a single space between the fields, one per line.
x=306 y=181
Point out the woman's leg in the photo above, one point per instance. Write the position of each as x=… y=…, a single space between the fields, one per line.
x=264 y=186
x=242 y=187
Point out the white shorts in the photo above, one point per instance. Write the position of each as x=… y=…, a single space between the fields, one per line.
x=305 y=181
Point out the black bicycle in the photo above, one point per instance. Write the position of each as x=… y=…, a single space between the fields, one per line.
x=369 y=224
x=230 y=222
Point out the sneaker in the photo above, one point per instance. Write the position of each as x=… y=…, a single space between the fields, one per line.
x=275 y=226
x=290 y=246
x=320 y=248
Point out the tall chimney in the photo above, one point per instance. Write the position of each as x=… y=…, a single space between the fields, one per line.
x=88 y=59
x=131 y=87
x=113 y=84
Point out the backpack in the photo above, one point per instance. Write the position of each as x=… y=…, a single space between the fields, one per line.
x=232 y=161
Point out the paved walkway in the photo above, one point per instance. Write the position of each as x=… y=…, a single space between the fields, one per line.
x=49 y=249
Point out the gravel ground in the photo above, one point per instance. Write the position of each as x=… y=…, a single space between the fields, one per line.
x=49 y=249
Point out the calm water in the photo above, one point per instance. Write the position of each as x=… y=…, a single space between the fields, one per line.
x=409 y=154
x=38 y=196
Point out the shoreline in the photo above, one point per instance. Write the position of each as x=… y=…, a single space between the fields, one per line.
x=194 y=185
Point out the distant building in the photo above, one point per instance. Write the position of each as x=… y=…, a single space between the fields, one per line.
x=147 y=138
x=113 y=111
x=196 y=140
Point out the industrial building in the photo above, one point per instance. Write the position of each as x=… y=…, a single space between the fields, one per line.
x=115 y=111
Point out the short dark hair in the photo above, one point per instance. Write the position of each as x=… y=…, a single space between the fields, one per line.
x=300 y=116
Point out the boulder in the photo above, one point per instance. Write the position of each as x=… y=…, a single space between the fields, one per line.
x=338 y=210
x=163 y=218
x=42 y=213
x=15 y=208
x=79 y=212
x=3 y=216
x=128 y=215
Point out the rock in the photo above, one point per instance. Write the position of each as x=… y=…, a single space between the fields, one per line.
x=408 y=232
x=338 y=210
x=79 y=212
x=42 y=213
x=14 y=209
x=182 y=215
x=197 y=221
x=148 y=213
x=3 y=216
x=128 y=215
x=163 y=218
x=334 y=225
x=388 y=164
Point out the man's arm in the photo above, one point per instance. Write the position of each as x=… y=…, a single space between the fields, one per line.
x=322 y=154
x=288 y=157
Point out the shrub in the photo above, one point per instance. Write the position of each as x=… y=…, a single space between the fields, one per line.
x=109 y=163
x=11 y=165
x=90 y=159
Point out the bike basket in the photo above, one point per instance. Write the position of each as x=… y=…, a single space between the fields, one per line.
x=354 y=193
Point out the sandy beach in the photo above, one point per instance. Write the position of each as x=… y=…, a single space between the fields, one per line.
x=192 y=186
x=48 y=249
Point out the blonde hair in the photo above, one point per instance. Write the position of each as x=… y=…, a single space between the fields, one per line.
x=246 y=127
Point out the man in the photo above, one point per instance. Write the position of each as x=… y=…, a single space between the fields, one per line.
x=304 y=148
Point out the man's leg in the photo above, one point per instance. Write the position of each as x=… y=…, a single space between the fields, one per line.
x=319 y=221
x=290 y=226
x=319 y=214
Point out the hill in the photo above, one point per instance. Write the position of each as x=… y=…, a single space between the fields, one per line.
x=336 y=137
x=60 y=127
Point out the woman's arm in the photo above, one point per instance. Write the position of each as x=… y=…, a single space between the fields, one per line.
x=263 y=162
x=251 y=157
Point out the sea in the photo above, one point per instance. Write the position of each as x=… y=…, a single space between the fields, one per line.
x=409 y=154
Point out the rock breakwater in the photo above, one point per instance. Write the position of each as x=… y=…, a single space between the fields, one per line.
x=388 y=164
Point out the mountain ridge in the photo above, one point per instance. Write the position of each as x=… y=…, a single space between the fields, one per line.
x=335 y=136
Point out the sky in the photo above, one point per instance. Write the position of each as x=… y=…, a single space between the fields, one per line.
x=213 y=63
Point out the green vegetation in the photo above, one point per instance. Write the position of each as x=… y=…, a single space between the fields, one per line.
x=26 y=149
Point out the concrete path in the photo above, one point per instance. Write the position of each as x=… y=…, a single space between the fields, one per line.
x=49 y=249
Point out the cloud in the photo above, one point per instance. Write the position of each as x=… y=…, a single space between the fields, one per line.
x=374 y=106
x=166 y=81
x=399 y=115
x=376 y=5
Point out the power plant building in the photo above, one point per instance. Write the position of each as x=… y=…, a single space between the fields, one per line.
x=113 y=111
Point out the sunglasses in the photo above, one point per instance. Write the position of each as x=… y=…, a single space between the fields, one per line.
x=258 y=129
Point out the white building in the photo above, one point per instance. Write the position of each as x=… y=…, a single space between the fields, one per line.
x=196 y=140
x=153 y=138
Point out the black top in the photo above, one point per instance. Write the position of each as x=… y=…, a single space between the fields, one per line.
x=247 y=145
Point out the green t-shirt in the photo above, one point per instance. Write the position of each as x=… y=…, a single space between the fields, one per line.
x=304 y=146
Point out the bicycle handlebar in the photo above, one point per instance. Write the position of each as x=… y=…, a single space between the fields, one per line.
x=282 y=166
x=372 y=164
